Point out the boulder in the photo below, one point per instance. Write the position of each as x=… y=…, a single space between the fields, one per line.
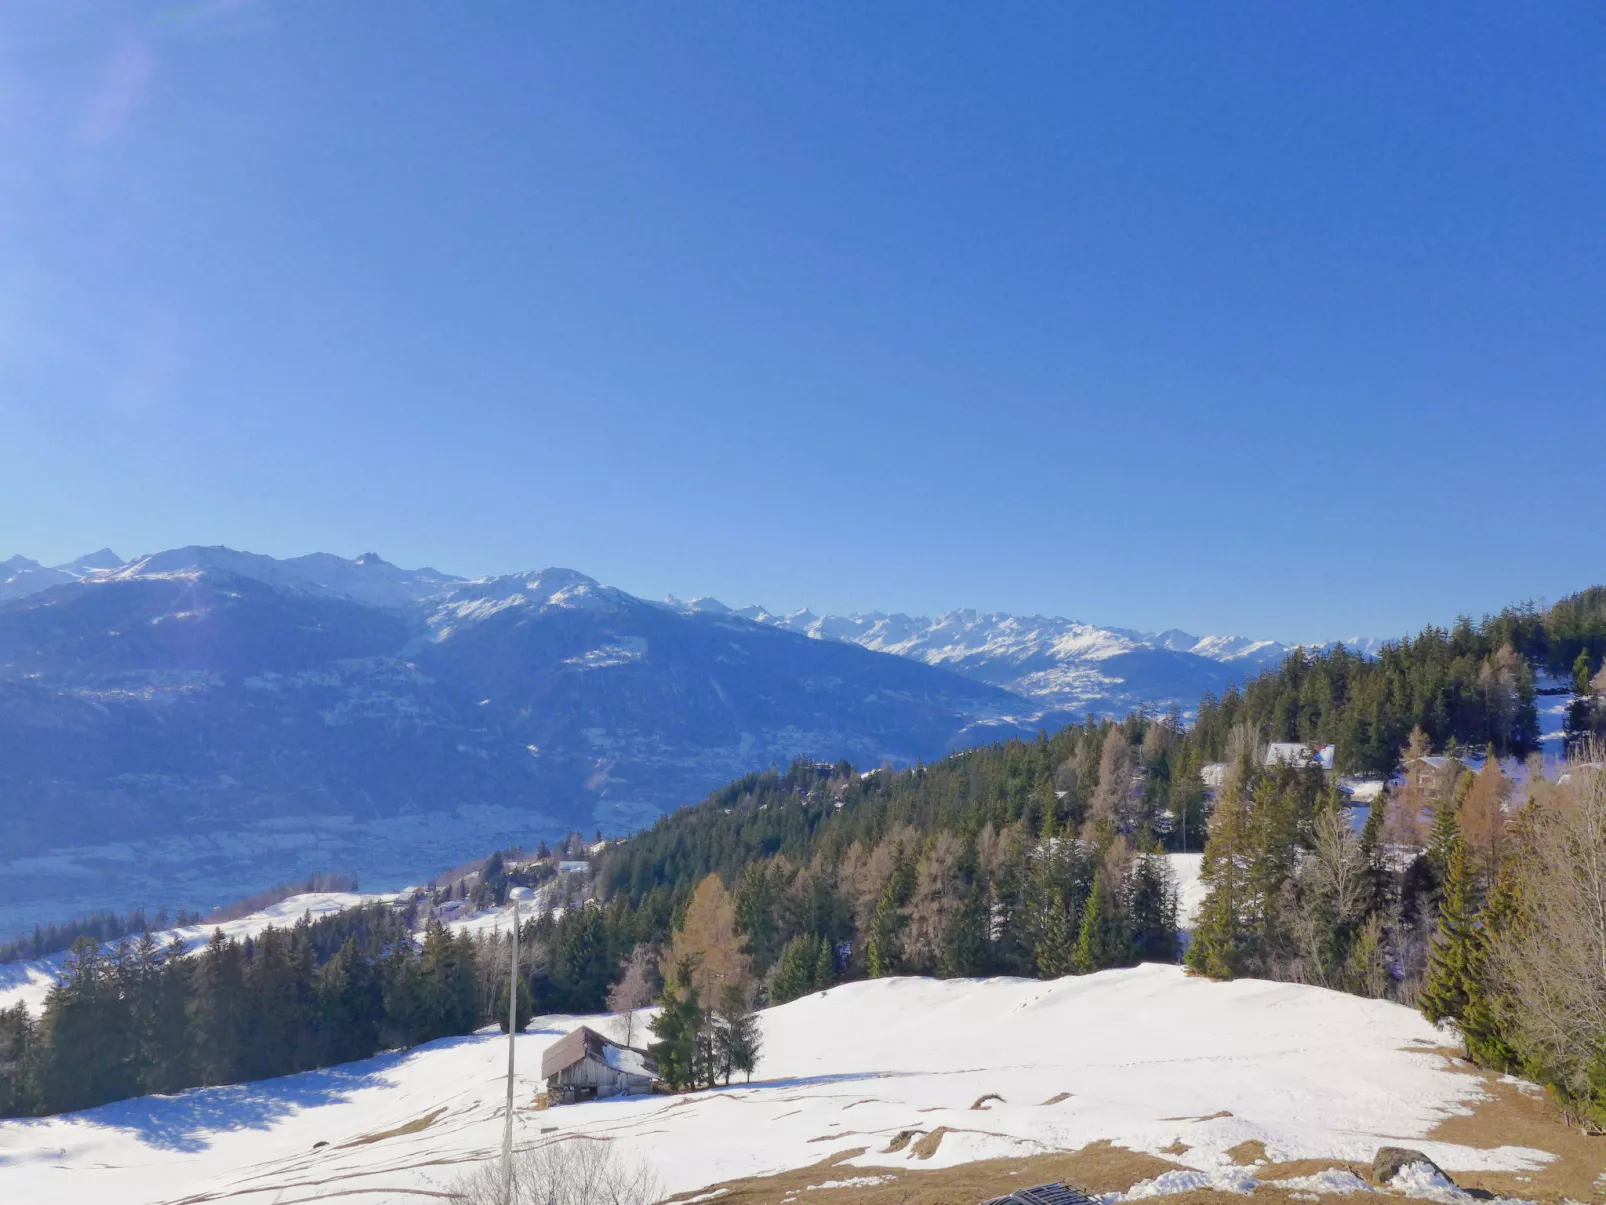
x=1391 y=1160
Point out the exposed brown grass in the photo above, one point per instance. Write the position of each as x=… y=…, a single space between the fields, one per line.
x=1508 y=1116
x=1248 y=1152
x=926 y=1145
x=981 y=1101
x=410 y=1127
x=1057 y=1097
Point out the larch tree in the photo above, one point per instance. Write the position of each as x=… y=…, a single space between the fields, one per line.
x=708 y=942
x=1484 y=823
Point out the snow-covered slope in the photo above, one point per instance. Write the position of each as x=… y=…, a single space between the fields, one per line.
x=1147 y=1058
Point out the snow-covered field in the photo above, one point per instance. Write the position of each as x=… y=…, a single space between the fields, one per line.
x=1147 y=1056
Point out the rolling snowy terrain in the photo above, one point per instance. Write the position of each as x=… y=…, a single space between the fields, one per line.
x=1147 y=1058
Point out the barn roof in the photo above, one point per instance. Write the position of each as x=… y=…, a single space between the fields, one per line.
x=583 y=1042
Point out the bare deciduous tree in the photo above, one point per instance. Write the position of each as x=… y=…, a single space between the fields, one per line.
x=573 y=1171
x=1551 y=965
x=637 y=988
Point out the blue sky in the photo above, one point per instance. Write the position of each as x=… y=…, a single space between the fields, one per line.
x=1286 y=320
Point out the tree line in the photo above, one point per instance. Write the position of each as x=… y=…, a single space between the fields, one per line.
x=147 y=1018
x=55 y=937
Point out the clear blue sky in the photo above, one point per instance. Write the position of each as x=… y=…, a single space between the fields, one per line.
x=1280 y=319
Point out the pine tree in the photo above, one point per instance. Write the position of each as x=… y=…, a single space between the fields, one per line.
x=796 y=972
x=1151 y=908
x=886 y=929
x=1451 y=966
x=736 y=1037
x=1056 y=947
x=964 y=939
x=17 y=1052
x=219 y=1010
x=677 y=1027
x=1103 y=940
x=825 y=966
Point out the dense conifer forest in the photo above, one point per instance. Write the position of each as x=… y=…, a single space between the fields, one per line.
x=1029 y=857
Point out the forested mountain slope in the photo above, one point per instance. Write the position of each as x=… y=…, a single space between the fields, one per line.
x=181 y=729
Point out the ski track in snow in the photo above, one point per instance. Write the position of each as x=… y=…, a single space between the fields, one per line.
x=1149 y=1056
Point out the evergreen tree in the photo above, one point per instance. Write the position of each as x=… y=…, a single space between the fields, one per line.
x=1104 y=940
x=1056 y=948
x=1151 y=908
x=351 y=1006
x=797 y=971
x=219 y=1010
x=17 y=1097
x=737 y=1038
x=1452 y=966
x=677 y=1028
x=964 y=942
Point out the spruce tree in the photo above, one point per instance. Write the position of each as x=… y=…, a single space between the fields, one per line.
x=796 y=972
x=1056 y=947
x=1103 y=940
x=17 y=1052
x=825 y=966
x=678 y=1028
x=1452 y=964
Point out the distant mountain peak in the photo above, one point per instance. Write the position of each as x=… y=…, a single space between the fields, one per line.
x=103 y=558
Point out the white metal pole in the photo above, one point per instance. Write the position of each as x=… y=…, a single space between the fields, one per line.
x=517 y=895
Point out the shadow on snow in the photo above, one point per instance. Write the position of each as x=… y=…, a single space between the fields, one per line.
x=184 y=1122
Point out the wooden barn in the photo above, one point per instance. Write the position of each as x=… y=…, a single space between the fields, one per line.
x=584 y=1065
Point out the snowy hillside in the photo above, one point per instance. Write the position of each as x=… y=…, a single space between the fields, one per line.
x=1185 y=1069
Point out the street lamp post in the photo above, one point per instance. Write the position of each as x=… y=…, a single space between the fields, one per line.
x=517 y=895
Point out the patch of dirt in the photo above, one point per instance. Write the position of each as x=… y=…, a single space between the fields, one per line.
x=900 y=1140
x=1508 y=1116
x=926 y=1146
x=1206 y=1117
x=1178 y=1147
x=981 y=1101
x=412 y=1127
x=1248 y=1153
x=1057 y=1097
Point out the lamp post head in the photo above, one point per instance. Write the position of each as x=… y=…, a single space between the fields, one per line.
x=520 y=895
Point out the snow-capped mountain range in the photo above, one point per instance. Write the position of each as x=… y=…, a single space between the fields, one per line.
x=1061 y=663
x=219 y=719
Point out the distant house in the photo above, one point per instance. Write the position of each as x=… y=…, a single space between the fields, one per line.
x=576 y=867
x=1295 y=753
x=1361 y=791
x=1044 y=1194
x=583 y=1065
x=1213 y=775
